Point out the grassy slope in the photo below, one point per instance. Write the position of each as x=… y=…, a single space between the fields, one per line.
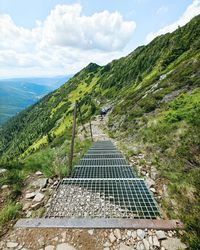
x=155 y=96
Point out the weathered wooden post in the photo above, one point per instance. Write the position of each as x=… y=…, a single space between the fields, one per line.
x=73 y=137
x=91 y=131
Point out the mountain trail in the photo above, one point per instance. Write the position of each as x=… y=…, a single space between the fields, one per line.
x=84 y=239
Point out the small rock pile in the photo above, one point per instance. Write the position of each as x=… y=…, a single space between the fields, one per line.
x=37 y=194
x=142 y=240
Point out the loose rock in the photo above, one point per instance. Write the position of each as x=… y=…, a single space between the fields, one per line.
x=150 y=182
x=50 y=247
x=39 y=197
x=122 y=246
x=156 y=243
x=91 y=232
x=30 y=195
x=161 y=235
x=36 y=205
x=140 y=246
x=40 y=183
x=12 y=244
x=117 y=233
x=4 y=187
x=26 y=206
x=38 y=173
x=129 y=233
x=153 y=190
x=134 y=234
x=65 y=246
x=146 y=244
x=112 y=238
x=173 y=244
x=3 y=171
x=140 y=234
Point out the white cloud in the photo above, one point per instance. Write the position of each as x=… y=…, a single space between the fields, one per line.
x=65 y=26
x=191 y=11
x=66 y=41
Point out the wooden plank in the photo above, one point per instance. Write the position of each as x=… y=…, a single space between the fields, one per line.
x=99 y=223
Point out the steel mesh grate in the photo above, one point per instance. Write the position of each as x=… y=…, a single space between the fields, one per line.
x=103 y=151
x=103 y=172
x=105 y=198
x=103 y=185
x=100 y=156
x=116 y=161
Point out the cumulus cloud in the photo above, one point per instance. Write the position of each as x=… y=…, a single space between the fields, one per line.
x=65 y=26
x=66 y=39
x=191 y=11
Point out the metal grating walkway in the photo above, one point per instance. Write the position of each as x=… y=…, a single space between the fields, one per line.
x=103 y=185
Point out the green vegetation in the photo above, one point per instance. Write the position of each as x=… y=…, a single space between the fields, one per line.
x=155 y=98
x=9 y=212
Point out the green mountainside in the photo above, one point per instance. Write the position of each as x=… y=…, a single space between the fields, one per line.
x=16 y=94
x=155 y=97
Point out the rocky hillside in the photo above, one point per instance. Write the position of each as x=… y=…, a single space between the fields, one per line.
x=155 y=97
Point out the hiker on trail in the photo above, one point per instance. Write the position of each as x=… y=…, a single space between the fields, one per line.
x=103 y=112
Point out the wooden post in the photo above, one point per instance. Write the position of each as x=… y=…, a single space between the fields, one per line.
x=91 y=130
x=72 y=141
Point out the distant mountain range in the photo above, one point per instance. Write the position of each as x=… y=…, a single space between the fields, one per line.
x=18 y=93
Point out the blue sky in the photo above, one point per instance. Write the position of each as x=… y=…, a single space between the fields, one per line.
x=51 y=37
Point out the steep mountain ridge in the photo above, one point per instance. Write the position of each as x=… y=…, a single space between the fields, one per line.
x=131 y=75
x=155 y=98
